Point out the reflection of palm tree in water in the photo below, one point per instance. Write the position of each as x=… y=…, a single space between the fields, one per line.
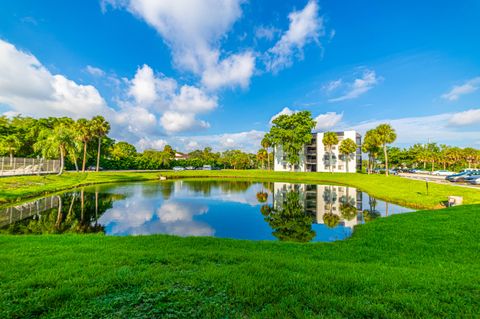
x=68 y=218
x=372 y=212
x=290 y=222
x=330 y=197
x=348 y=208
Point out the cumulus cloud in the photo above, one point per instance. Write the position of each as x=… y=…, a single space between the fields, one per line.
x=248 y=141
x=367 y=81
x=158 y=100
x=193 y=29
x=458 y=90
x=149 y=143
x=46 y=94
x=174 y=122
x=305 y=26
x=466 y=118
x=328 y=120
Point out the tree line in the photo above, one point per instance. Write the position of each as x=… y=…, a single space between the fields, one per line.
x=84 y=143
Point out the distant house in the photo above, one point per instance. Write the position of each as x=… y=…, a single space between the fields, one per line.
x=179 y=156
x=314 y=157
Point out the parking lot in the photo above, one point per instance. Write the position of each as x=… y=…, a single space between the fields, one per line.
x=436 y=179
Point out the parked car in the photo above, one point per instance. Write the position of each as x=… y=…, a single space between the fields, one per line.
x=189 y=168
x=466 y=170
x=178 y=168
x=475 y=181
x=419 y=171
x=461 y=177
x=442 y=172
x=94 y=168
x=457 y=177
x=471 y=176
x=207 y=167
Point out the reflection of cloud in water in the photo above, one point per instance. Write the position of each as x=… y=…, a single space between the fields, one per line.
x=137 y=217
x=248 y=197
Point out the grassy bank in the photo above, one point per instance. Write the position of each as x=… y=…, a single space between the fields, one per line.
x=394 y=189
x=14 y=189
x=422 y=264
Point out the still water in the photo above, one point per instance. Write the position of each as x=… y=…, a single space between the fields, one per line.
x=226 y=209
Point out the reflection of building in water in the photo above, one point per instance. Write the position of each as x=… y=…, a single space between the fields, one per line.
x=318 y=200
x=15 y=213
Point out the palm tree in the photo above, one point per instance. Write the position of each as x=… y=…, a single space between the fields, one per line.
x=470 y=155
x=10 y=144
x=329 y=140
x=266 y=144
x=100 y=128
x=54 y=142
x=386 y=135
x=262 y=155
x=84 y=132
x=371 y=145
x=347 y=148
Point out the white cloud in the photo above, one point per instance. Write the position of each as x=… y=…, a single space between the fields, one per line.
x=237 y=69
x=284 y=111
x=158 y=97
x=328 y=120
x=29 y=88
x=193 y=29
x=458 y=90
x=267 y=33
x=466 y=118
x=305 y=26
x=94 y=71
x=248 y=141
x=358 y=87
x=192 y=99
x=147 y=143
x=174 y=122
x=332 y=85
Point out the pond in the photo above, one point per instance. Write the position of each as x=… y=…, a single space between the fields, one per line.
x=225 y=209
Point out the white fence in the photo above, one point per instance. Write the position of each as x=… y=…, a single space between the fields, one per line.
x=28 y=166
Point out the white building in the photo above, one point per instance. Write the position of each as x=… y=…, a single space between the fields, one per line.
x=315 y=158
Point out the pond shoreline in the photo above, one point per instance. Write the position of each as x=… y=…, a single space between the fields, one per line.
x=404 y=192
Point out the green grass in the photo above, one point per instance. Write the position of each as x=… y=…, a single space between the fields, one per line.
x=14 y=189
x=422 y=264
x=394 y=189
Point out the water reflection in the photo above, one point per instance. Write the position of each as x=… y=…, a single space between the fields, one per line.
x=231 y=209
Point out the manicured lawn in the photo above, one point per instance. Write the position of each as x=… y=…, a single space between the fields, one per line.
x=421 y=264
x=394 y=189
x=17 y=188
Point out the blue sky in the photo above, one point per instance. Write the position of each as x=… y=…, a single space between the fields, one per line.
x=214 y=72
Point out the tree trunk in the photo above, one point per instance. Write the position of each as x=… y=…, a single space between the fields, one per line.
x=330 y=159
x=346 y=163
x=59 y=213
x=268 y=160
x=11 y=158
x=424 y=165
x=82 y=205
x=98 y=152
x=433 y=166
x=84 y=156
x=386 y=159
x=62 y=161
